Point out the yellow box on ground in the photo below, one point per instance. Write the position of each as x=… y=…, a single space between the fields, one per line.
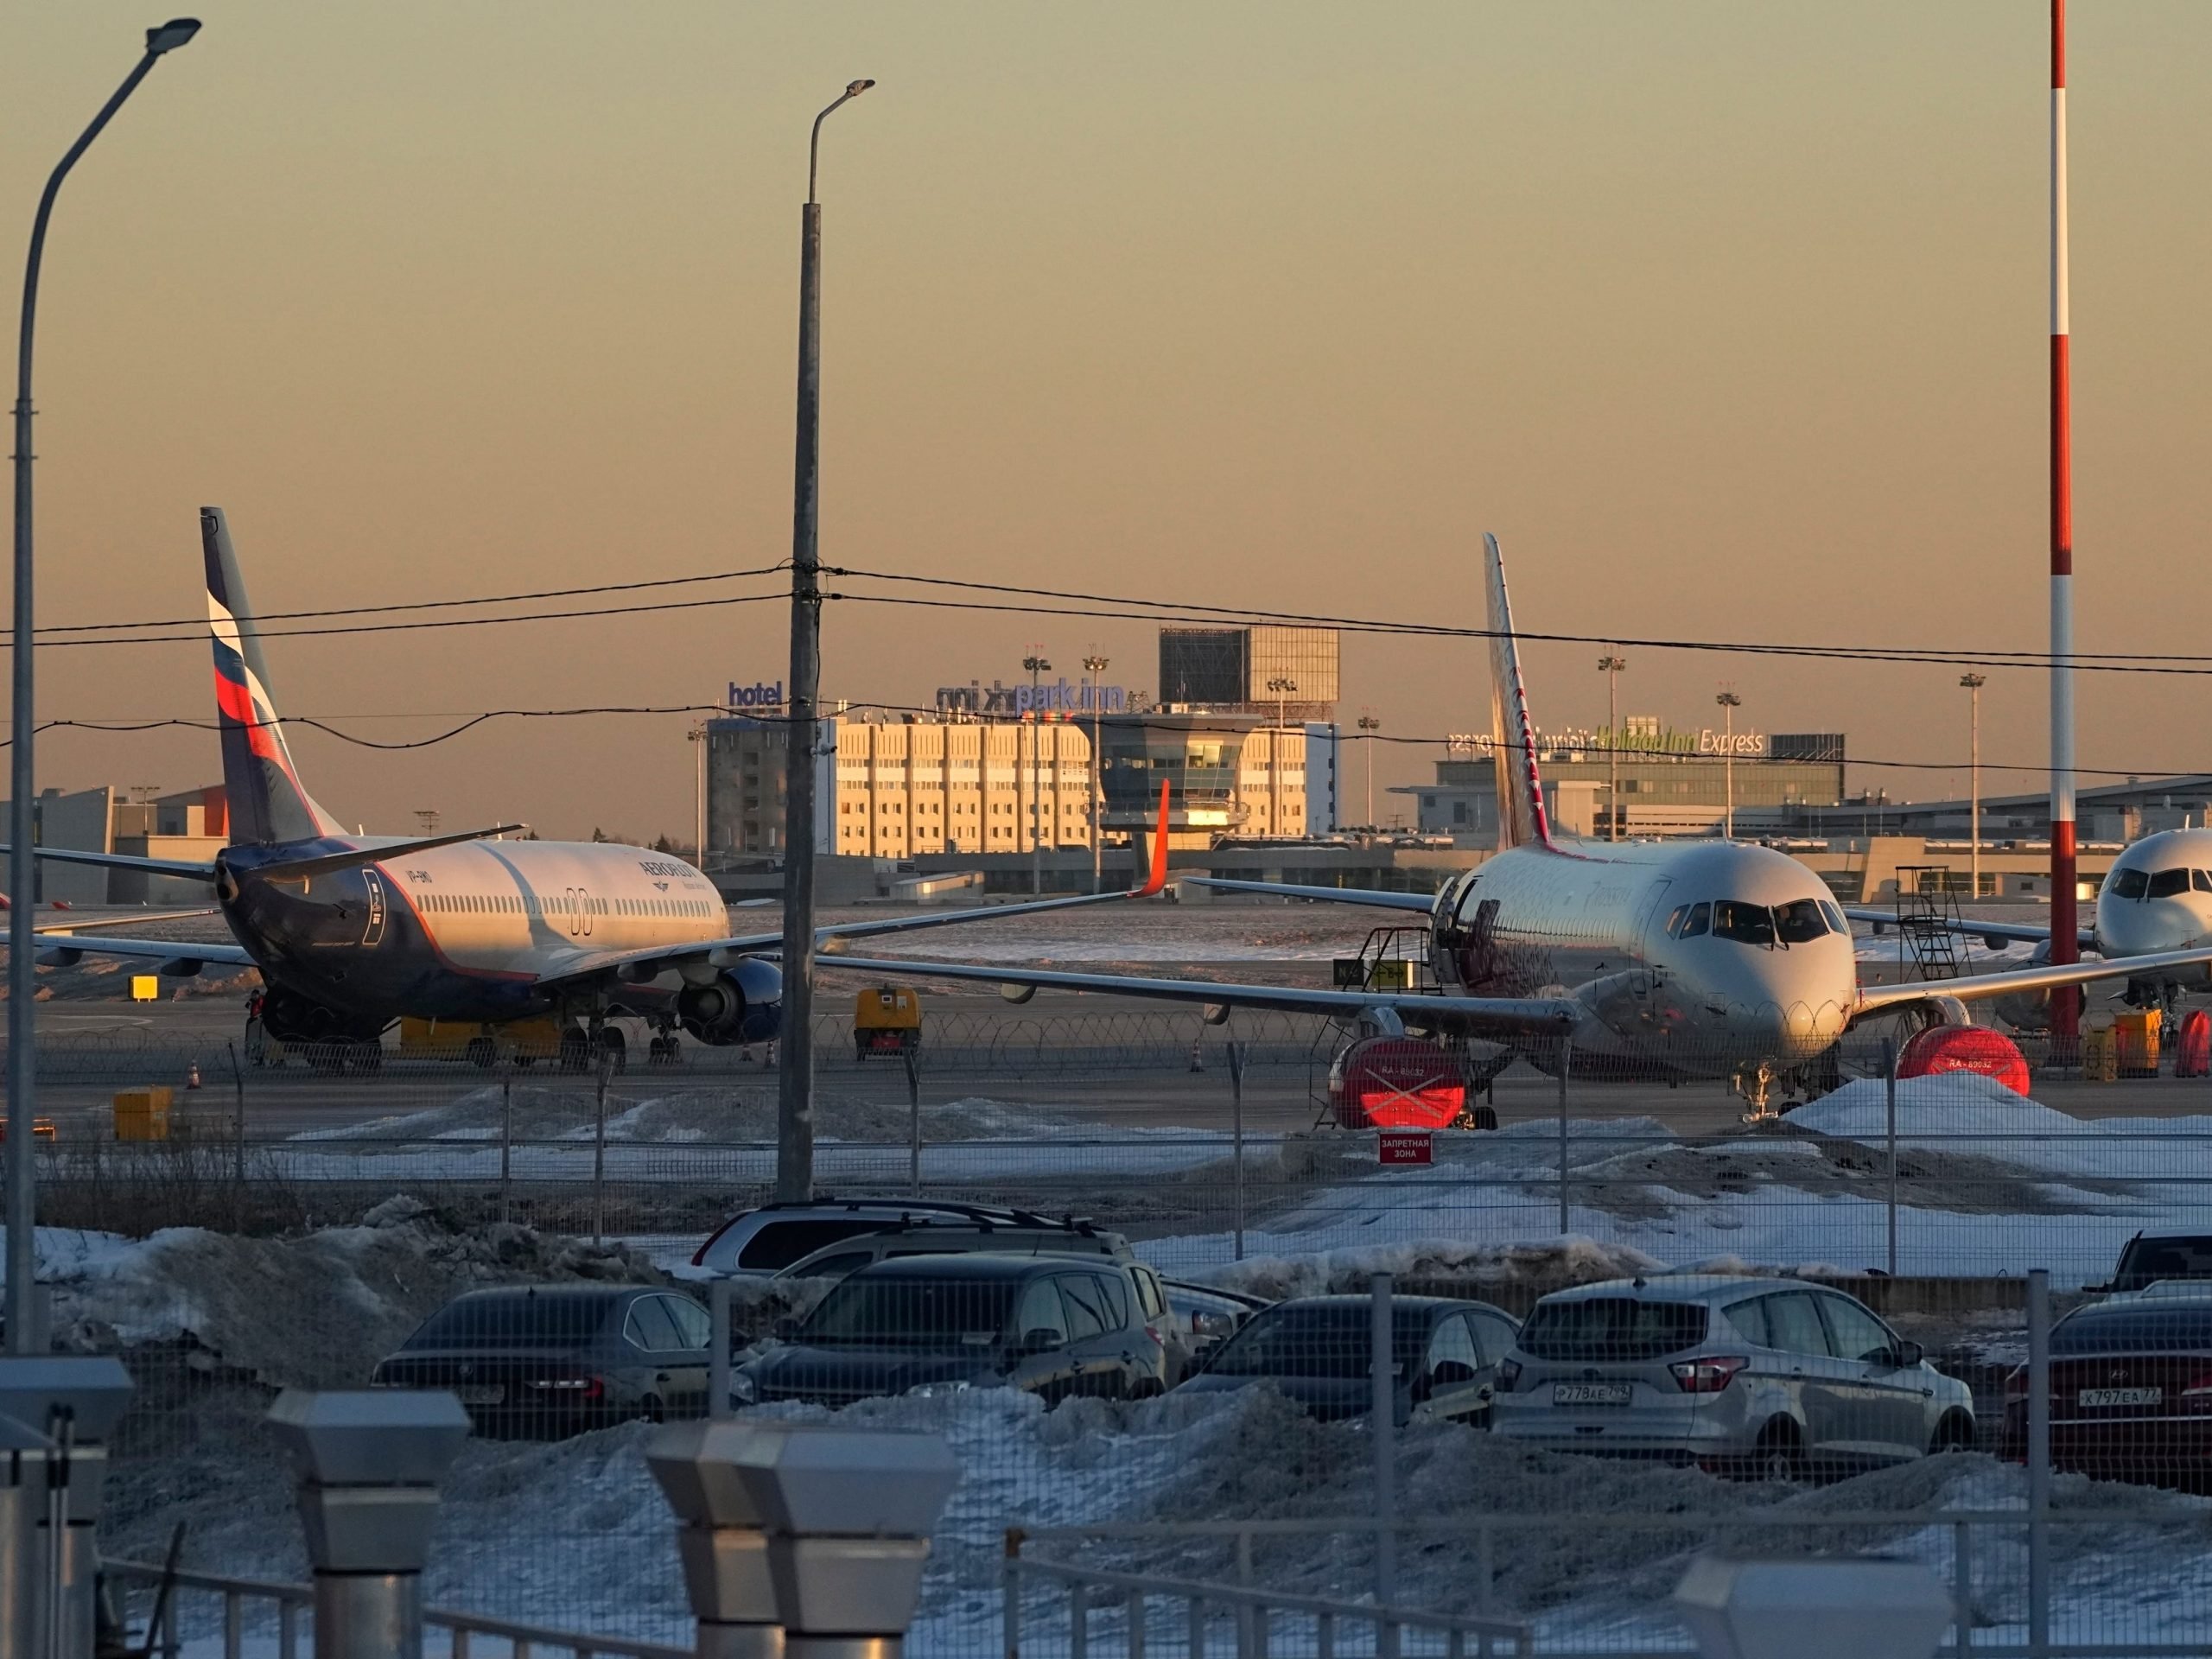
x=145 y=987
x=2136 y=1036
x=2100 y=1054
x=143 y=1113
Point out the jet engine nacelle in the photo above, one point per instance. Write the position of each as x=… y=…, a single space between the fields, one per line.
x=743 y=1004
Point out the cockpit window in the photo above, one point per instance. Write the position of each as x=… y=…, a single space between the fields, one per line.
x=2128 y=884
x=1699 y=916
x=1800 y=923
x=2165 y=884
x=1745 y=923
x=2201 y=879
x=1675 y=920
x=1836 y=923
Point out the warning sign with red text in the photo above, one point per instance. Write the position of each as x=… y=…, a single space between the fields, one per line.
x=1405 y=1146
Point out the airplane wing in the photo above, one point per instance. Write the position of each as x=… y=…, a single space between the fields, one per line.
x=1995 y=935
x=1872 y=998
x=64 y=950
x=187 y=869
x=1423 y=902
x=643 y=964
x=136 y=919
x=1499 y=1014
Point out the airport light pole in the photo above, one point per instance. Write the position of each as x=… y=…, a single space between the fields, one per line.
x=23 y=864
x=698 y=735
x=1282 y=687
x=1730 y=702
x=1974 y=682
x=1096 y=665
x=795 y=1079
x=1036 y=666
x=2065 y=907
x=1610 y=666
x=1369 y=724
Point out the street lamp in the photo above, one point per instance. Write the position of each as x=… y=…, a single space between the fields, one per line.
x=1282 y=686
x=22 y=867
x=1611 y=667
x=1036 y=666
x=1369 y=724
x=1094 y=665
x=1730 y=702
x=698 y=735
x=795 y=1080
x=1974 y=682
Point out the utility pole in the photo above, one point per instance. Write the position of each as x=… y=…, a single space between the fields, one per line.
x=698 y=735
x=1974 y=682
x=1282 y=687
x=1096 y=665
x=1369 y=724
x=795 y=1079
x=2065 y=901
x=22 y=1335
x=1036 y=664
x=1730 y=702
x=1610 y=666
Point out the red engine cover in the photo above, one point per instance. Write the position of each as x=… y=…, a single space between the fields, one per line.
x=1965 y=1048
x=1397 y=1082
x=2195 y=1059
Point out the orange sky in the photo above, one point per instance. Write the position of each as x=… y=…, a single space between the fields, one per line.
x=1729 y=318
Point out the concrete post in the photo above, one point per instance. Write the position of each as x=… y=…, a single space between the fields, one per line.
x=802 y=1541
x=1832 y=1609
x=369 y=1464
x=52 y=1498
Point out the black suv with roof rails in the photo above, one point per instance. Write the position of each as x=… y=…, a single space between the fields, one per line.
x=759 y=1241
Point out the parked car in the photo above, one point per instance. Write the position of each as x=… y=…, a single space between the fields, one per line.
x=560 y=1358
x=957 y=1236
x=1320 y=1350
x=757 y=1242
x=2131 y=1389
x=1055 y=1326
x=1206 y=1316
x=2152 y=1257
x=1774 y=1376
x=1035 y=1237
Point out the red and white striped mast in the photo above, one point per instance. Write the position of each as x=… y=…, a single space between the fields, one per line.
x=2066 y=1004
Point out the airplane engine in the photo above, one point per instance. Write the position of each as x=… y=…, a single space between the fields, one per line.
x=744 y=1004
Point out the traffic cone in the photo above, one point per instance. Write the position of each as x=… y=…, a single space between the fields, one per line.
x=192 y=1076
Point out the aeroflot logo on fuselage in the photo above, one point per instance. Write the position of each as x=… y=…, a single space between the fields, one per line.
x=655 y=866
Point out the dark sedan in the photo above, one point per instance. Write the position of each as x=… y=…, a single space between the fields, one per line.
x=1319 y=1350
x=2131 y=1389
x=556 y=1359
x=1055 y=1326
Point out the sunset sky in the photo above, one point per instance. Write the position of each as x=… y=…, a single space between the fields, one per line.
x=1729 y=319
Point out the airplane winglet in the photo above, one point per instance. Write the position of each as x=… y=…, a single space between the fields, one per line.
x=1158 y=880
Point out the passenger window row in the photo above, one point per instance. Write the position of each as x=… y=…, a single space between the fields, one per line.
x=530 y=903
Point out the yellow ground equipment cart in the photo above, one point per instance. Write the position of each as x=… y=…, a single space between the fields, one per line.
x=480 y=1045
x=143 y=1113
x=886 y=1020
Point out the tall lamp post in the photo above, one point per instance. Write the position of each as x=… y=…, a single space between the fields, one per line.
x=22 y=1336
x=698 y=735
x=1611 y=667
x=1369 y=724
x=795 y=1079
x=1096 y=665
x=1036 y=666
x=1730 y=702
x=1282 y=686
x=1974 y=682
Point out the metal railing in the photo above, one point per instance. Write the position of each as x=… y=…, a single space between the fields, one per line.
x=239 y=1596
x=1253 y=1610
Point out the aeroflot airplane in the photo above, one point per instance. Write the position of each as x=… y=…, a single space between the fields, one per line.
x=2156 y=900
x=1693 y=959
x=351 y=932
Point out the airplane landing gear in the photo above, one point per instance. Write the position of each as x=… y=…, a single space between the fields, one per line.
x=1756 y=1083
x=664 y=1050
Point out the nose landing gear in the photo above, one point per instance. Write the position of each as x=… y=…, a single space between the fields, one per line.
x=1756 y=1085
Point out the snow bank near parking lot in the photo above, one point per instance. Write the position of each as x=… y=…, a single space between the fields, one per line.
x=1547 y=1265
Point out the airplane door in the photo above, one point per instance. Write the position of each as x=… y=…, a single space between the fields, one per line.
x=571 y=900
x=1652 y=915
x=583 y=911
x=372 y=926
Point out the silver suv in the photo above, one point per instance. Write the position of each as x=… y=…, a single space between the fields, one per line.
x=1773 y=1377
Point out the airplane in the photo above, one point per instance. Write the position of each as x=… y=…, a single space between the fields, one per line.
x=2157 y=897
x=1680 y=959
x=352 y=932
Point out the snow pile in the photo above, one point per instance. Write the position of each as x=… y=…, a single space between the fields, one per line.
x=1543 y=1267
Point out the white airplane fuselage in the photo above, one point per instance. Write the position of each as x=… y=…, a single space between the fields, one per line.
x=1591 y=921
x=2158 y=896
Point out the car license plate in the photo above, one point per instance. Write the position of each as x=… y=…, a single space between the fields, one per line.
x=2121 y=1397
x=480 y=1394
x=1590 y=1394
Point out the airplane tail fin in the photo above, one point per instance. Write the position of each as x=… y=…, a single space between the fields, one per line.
x=1519 y=792
x=267 y=802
